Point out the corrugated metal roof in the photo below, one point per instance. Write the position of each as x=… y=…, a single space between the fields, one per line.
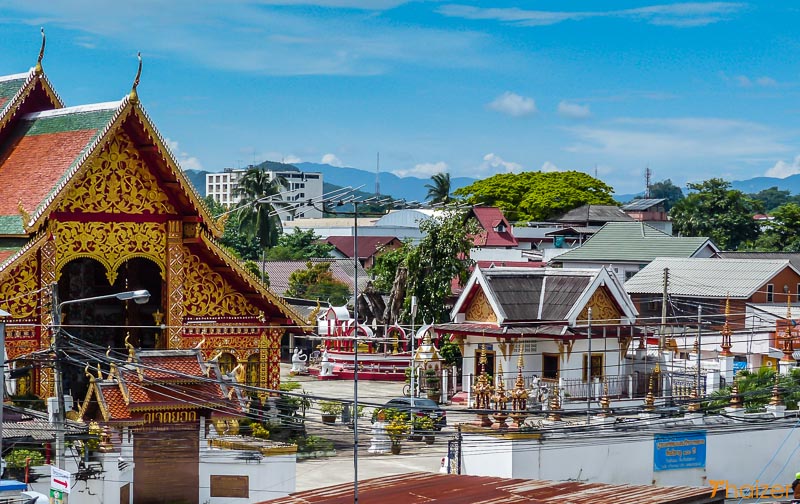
x=639 y=205
x=632 y=242
x=418 y=488
x=342 y=270
x=793 y=257
x=706 y=277
x=595 y=213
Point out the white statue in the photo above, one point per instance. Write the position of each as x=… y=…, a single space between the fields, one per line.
x=299 y=361
x=326 y=367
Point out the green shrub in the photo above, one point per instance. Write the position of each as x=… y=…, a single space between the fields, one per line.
x=17 y=458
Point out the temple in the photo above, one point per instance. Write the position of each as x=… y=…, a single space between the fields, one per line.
x=93 y=203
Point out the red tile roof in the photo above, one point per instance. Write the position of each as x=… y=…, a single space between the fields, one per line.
x=164 y=368
x=35 y=164
x=456 y=489
x=489 y=219
x=367 y=245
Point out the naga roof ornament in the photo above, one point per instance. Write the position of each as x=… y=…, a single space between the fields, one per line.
x=39 y=69
x=134 y=97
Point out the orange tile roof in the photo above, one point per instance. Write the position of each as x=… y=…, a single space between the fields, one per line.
x=35 y=164
x=114 y=402
x=179 y=368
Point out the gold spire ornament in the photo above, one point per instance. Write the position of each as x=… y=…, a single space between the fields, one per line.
x=650 y=399
x=694 y=404
x=736 y=398
x=482 y=390
x=605 y=401
x=134 y=96
x=555 y=405
x=777 y=398
x=38 y=67
x=726 y=331
x=788 y=344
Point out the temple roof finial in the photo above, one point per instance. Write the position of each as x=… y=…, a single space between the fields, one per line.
x=134 y=96
x=41 y=55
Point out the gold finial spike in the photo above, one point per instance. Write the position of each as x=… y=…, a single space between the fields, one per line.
x=108 y=351
x=650 y=399
x=736 y=399
x=99 y=372
x=694 y=405
x=134 y=97
x=520 y=362
x=87 y=371
x=726 y=330
x=777 y=398
x=131 y=350
x=555 y=405
x=605 y=401
x=41 y=55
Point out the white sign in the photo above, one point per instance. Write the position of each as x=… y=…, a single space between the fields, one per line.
x=60 y=479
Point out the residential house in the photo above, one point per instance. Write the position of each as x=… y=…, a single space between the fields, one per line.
x=369 y=247
x=745 y=295
x=652 y=211
x=627 y=247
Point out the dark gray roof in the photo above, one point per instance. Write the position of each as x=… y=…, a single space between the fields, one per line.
x=574 y=230
x=639 y=205
x=519 y=292
x=793 y=257
x=595 y=213
x=20 y=424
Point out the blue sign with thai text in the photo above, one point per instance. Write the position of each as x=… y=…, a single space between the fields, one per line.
x=679 y=450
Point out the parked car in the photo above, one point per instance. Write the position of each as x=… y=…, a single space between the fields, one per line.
x=422 y=407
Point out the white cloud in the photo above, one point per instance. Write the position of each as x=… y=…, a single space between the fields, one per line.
x=186 y=161
x=291 y=159
x=423 y=170
x=332 y=160
x=766 y=81
x=691 y=138
x=782 y=169
x=345 y=37
x=513 y=104
x=680 y=15
x=494 y=163
x=549 y=167
x=573 y=110
x=743 y=81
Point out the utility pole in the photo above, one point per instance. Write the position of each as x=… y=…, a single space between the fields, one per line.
x=699 y=345
x=59 y=383
x=648 y=173
x=589 y=381
x=413 y=338
x=662 y=333
x=355 y=353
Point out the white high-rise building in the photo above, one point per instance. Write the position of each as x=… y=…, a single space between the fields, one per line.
x=300 y=186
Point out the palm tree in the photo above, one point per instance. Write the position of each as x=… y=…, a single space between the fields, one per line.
x=439 y=191
x=259 y=204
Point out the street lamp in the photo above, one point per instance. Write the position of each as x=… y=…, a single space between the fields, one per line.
x=138 y=296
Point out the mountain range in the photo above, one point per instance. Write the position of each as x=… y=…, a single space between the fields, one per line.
x=413 y=188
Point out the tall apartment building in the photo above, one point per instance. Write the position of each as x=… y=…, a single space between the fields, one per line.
x=300 y=186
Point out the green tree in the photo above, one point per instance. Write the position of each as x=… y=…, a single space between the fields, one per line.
x=317 y=282
x=715 y=210
x=439 y=190
x=772 y=198
x=299 y=245
x=441 y=256
x=782 y=233
x=384 y=269
x=755 y=389
x=244 y=247
x=536 y=196
x=666 y=189
x=258 y=207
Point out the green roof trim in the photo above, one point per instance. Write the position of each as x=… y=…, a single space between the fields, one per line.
x=9 y=88
x=11 y=225
x=633 y=242
x=60 y=123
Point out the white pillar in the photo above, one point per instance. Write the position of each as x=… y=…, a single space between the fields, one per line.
x=785 y=367
x=443 y=399
x=726 y=369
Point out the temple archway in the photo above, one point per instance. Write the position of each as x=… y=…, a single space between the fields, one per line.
x=98 y=325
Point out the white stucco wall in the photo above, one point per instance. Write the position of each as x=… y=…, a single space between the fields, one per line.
x=270 y=477
x=739 y=456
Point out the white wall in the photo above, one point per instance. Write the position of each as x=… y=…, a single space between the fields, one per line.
x=270 y=477
x=737 y=456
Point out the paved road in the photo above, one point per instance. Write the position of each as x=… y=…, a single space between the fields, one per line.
x=416 y=456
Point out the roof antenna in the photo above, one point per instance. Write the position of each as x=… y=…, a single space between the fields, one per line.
x=134 y=97
x=41 y=54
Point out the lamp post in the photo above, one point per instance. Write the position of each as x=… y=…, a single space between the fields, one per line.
x=355 y=352
x=139 y=296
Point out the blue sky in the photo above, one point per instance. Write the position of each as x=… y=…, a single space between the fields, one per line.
x=691 y=89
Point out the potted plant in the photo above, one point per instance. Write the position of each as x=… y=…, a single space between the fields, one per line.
x=425 y=427
x=330 y=410
x=20 y=459
x=397 y=429
x=432 y=384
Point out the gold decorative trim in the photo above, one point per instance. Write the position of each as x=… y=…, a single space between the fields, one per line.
x=207 y=294
x=480 y=310
x=110 y=243
x=117 y=181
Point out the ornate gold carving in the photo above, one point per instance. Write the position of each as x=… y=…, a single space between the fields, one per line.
x=18 y=288
x=47 y=259
x=263 y=365
x=207 y=294
x=191 y=230
x=175 y=279
x=110 y=243
x=117 y=181
x=604 y=309
x=26 y=217
x=480 y=310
